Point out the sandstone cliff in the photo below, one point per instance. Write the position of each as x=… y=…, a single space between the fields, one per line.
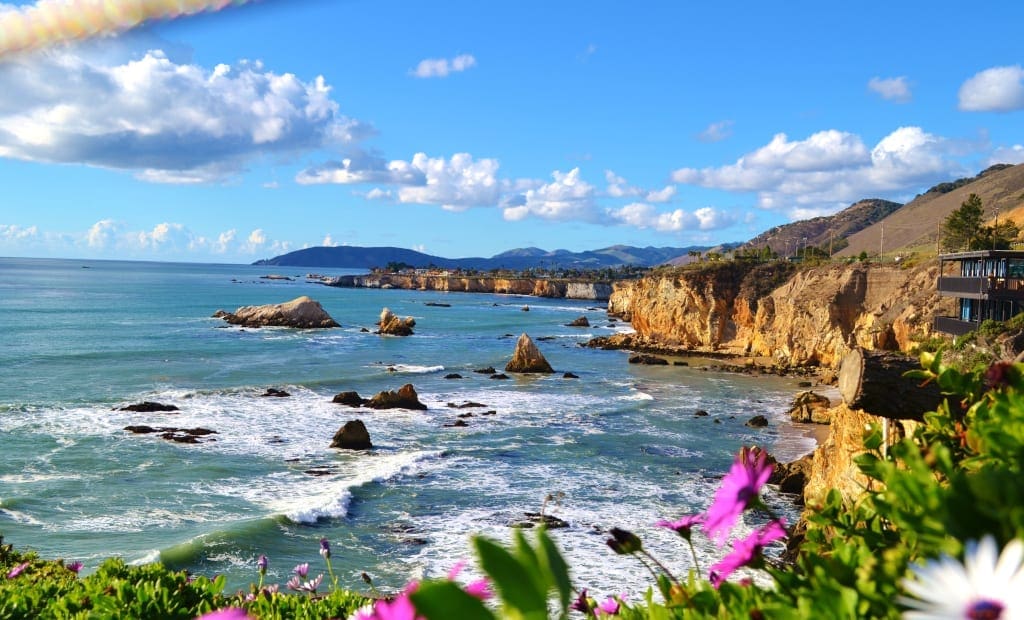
x=537 y=287
x=811 y=317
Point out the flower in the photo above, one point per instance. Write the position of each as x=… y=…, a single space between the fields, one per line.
x=624 y=542
x=746 y=551
x=582 y=603
x=17 y=570
x=261 y=564
x=229 y=613
x=739 y=489
x=296 y=583
x=74 y=567
x=325 y=548
x=985 y=586
x=401 y=608
x=683 y=526
x=301 y=570
x=480 y=588
x=610 y=605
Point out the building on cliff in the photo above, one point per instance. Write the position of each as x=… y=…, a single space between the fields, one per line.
x=988 y=284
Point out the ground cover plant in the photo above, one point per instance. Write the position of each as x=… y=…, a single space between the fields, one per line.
x=938 y=534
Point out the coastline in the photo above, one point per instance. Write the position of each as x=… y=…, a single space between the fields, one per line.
x=444 y=282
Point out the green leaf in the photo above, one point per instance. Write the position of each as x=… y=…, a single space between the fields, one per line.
x=512 y=579
x=557 y=567
x=443 y=600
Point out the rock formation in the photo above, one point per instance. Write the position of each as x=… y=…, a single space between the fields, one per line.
x=810 y=407
x=649 y=360
x=580 y=322
x=404 y=398
x=352 y=436
x=352 y=399
x=528 y=358
x=394 y=326
x=301 y=312
x=149 y=407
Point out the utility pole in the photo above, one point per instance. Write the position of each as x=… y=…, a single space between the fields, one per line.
x=830 y=236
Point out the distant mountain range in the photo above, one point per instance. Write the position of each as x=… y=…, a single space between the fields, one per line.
x=356 y=257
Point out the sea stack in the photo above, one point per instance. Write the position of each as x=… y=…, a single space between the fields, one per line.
x=394 y=326
x=302 y=312
x=352 y=436
x=528 y=358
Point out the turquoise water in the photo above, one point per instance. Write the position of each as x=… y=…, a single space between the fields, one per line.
x=80 y=338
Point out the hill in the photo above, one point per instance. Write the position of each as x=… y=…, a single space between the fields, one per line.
x=356 y=257
x=916 y=224
x=788 y=239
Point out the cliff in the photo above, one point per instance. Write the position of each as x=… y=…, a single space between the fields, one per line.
x=537 y=287
x=810 y=317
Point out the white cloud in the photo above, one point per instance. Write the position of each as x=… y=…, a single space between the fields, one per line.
x=891 y=89
x=13 y=232
x=640 y=215
x=328 y=242
x=999 y=89
x=716 y=132
x=831 y=169
x=456 y=183
x=442 y=67
x=1007 y=155
x=664 y=194
x=567 y=197
x=224 y=241
x=102 y=234
x=169 y=122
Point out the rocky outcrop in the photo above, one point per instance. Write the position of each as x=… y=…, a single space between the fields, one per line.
x=301 y=312
x=405 y=398
x=394 y=326
x=580 y=322
x=528 y=358
x=149 y=407
x=810 y=407
x=811 y=317
x=352 y=436
x=352 y=399
x=536 y=287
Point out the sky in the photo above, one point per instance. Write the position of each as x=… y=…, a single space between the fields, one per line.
x=230 y=131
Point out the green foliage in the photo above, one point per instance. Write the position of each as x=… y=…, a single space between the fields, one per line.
x=962 y=228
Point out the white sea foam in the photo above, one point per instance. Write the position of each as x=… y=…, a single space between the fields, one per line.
x=409 y=369
x=19 y=517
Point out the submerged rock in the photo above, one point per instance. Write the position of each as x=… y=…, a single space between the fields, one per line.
x=352 y=436
x=570 y=375
x=489 y=370
x=758 y=421
x=302 y=312
x=453 y=375
x=148 y=407
x=528 y=358
x=650 y=360
x=391 y=325
x=580 y=322
x=274 y=392
x=404 y=398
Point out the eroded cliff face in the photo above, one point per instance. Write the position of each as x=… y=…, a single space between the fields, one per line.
x=811 y=317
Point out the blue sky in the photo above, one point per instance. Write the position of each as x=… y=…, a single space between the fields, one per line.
x=469 y=128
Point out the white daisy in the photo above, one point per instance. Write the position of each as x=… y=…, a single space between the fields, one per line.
x=987 y=586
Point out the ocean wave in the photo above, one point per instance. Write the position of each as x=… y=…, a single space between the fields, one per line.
x=410 y=369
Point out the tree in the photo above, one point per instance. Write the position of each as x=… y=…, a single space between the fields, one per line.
x=961 y=229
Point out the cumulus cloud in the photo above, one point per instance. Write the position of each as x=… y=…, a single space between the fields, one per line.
x=168 y=122
x=664 y=194
x=567 y=197
x=999 y=89
x=13 y=232
x=618 y=187
x=716 y=132
x=443 y=67
x=895 y=89
x=102 y=234
x=642 y=215
x=224 y=241
x=830 y=169
x=456 y=183
x=1007 y=155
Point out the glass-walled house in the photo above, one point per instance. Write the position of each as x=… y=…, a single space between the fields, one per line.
x=988 y=284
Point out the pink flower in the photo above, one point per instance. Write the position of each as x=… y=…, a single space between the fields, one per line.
x=301 y=570
x=17 y=570
x=74 y=567
x=610 y=605
x=480 y=588
x=230 y=613
x=746 y=551
x=739 y=489
x=401 y=608
x=682 y=526
x=582 y=603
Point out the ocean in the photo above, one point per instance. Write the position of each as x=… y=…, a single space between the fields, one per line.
x=619 y=446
